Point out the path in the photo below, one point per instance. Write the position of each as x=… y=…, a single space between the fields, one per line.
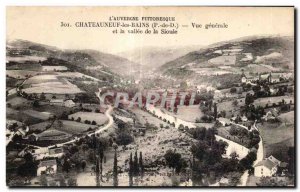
x=260 y=157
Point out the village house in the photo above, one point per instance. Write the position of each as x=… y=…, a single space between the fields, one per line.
x=69 y=103
x=248 y=79
x=267 y=167
x=22 y=131
x=224 y=121
x=272 y=114
x=47 y=167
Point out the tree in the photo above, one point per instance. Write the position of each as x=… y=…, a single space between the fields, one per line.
x=234 y=178
x=124 y=138
x=233 y=90
x=130 y=170
x=43 y=180
x=141 y=165
x=181 y=127
x=172 y=159
x=135 y=164
x=29 y=168
x=84 y=148
x=72 y=182
x=235 y=103
x=215 y=111
x=249 y=99
x=115 y=170
x=64 y=115
x=42 y=96
x=291 y=160
x=35 y=103
x=83 y=165
x=66 y=166
x=271 y=182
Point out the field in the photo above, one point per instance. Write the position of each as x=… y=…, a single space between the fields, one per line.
x=229 y=107
x=277 y=138
x=260 y=68
x=25 y=117
x=210 y=71
x=73 y=127
x=90 y=116
x=20 y=74
x=38 y=114
x=189 y=113
x=54 y=68
x=41 y=79
x=40 y=126
x=57 y=110
x=287 y=118
x=19 y=102
x=76 y=75
x=53 y=134
x=144 y=117
x=50 y=84
x=25 y=58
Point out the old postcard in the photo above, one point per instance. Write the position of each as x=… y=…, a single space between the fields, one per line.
x=150 y=97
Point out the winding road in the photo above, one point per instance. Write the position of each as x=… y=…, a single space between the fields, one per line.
x=259 y=157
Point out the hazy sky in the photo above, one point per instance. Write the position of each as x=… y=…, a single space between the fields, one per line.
x=42 y=25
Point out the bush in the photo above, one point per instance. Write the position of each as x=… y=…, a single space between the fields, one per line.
x=233 y=90
x=124 y=138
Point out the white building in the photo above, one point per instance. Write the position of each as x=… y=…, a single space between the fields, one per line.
x=224 y=121
x=47 y=167
x=69 y=103
x=265 y=168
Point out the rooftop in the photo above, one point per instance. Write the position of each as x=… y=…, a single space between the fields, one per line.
x=267 y=163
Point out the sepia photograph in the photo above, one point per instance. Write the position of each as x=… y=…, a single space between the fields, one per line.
x=150 y=96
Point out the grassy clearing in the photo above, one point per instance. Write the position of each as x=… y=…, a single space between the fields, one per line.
x=230 y=107
x=37 y=114
x=189 y=113
x=20 y=74
x=19 y=102
x=277 y=137
x=74 y=127
x=40 y=126
x=144 y=117
x=287 y=118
